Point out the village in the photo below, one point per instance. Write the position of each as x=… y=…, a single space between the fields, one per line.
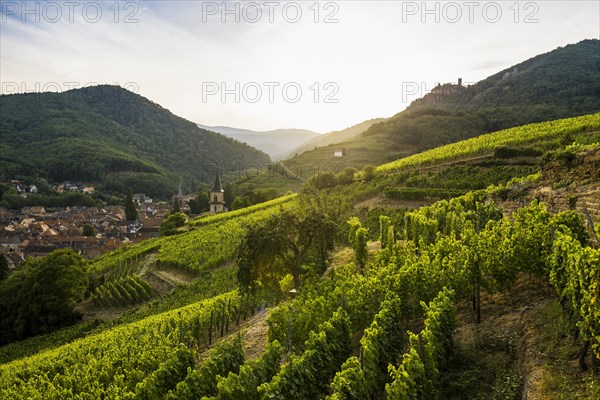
x=35 y=231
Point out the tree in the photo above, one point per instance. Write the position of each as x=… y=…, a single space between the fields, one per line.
x=323 y=180
x=4 y=269
x=286 y=242
x=41 y=295
x=241 y=202
x=252 y=197
x=89 y=230
x=130 y=210
x=43 y=186
x=229 y=195
x=369 y=172
x=201 y=203
x=346 y=177
x=172 y=222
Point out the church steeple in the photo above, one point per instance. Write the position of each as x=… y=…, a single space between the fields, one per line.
x=217 y=186
x=217 y=196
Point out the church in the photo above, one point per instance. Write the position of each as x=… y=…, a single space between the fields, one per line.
x=217 y=196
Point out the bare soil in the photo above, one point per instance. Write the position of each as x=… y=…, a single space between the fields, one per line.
x=527 y=339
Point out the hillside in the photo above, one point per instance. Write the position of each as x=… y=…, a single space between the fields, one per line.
x=335 y=136
x=108 y=134
x=276 y=143
x=562 y=83
x=477 y=163
x=363 y=313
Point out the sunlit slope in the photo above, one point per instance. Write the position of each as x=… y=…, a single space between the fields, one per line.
x=562 y=83
x=487 y=143
x=111 y=363
x=210 y=241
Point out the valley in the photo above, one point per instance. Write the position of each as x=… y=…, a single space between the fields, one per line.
x=447 y=252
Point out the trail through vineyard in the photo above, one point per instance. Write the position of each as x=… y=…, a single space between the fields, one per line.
x=524 y=344
x=254 y=331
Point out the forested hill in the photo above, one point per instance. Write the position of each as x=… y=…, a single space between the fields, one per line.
x=95 y=133
x=562 y=83
x=551 y=85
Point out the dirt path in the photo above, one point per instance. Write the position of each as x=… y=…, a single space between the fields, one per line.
x=150 y=260
x=173 y=277
x=380 y=201
x=255 y=334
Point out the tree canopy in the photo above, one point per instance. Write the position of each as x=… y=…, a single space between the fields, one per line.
x=130 y=210
x=40 y=296
x=297 y=241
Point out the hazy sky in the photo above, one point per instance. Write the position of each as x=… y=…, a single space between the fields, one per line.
x=267 y=65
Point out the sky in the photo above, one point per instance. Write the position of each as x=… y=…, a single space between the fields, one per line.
x=267 y=65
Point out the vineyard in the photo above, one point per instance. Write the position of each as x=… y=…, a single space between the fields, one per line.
x=211 y=219
x=210 y=241
x=208 y=285
x=122 y=292
x=401 y=303
x=378 y=325
x=488 y=143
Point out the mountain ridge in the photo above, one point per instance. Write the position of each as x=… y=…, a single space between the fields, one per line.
x=277 y=142
x=91 y=133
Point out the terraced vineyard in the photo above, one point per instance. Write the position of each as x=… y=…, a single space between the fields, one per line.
x=488 y=143
x=210 y=241
x=448 y=252
x=379 y=326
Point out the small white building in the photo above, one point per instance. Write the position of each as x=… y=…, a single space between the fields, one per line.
x=338 y=153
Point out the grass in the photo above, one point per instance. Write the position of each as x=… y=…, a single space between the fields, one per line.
x=561 y=377
x=483 y=368
x=525 y=349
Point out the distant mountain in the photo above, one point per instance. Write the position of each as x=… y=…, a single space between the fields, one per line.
x=276 y=143
x=335 y=136
x=109 y=135
x=562 y=83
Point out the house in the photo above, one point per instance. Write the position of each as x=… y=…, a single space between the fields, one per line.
x=11 y=242
x=36 y=211
x=71 y=187
x=88 y=190
x=38 y=248
x=14 y=259
x=338 y=153
x=139 y=198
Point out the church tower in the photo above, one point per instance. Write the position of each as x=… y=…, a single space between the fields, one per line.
x=217 y=196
